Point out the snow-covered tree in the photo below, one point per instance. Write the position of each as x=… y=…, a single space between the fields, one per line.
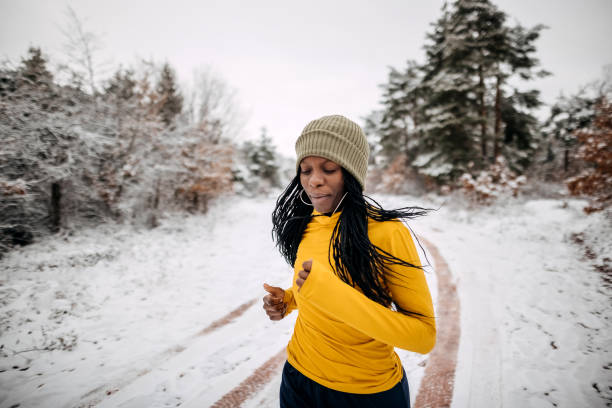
x=127 y=177
x=596 y=150
x=446 y=144
x=493 y=183
x=567 y=116
x=170 y=101
x=203 y=171
x=402 y=113
x=68 y=156
x=456 y=112
x=50 y=150
x=516 y=130
x=558 y=156
x=262 y=158
x=257 y=170
x=34 y=69
x=155 y=167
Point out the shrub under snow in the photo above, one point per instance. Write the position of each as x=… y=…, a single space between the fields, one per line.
x=497 y=181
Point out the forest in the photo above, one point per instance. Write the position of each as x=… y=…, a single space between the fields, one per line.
x=82 y=150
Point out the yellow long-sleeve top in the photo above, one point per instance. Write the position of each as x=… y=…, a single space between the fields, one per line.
x=344 y=340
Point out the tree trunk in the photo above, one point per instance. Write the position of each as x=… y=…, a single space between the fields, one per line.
x=483 y=114
x=156 y=197
x=152 y=220
x=497 y=135
x=55 y=210
x=566 y=160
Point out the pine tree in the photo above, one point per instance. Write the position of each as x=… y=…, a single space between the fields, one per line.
x=446 y=145
x=125 y=114
x=463 y=111
x=121 y=85
x=34 y=68
x=171 y=101
x=401 y=115
x=371 y=128
x=518 y=141
x=261 y=159
x=567 y=116
x=481 y=38
x=520 y=131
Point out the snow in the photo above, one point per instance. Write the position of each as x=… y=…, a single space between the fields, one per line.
x=113 y=316
x=424 y=158
x=535 y=315
x=435 y=170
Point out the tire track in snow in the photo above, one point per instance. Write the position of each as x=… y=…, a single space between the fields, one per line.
x=438 y=382
x=228 y=318
x=97 y=395
x=253 y=383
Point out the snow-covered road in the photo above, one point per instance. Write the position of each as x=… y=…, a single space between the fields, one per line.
x=535 y=311
x=112 y=317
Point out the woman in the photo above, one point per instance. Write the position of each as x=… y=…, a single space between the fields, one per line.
x=358 y=282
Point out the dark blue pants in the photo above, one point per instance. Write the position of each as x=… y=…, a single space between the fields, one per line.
x=299 y=391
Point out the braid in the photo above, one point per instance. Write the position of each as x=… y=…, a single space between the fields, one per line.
x=355 y=259
x=289 y=220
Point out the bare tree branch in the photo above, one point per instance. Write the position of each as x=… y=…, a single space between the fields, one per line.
x=81 y=47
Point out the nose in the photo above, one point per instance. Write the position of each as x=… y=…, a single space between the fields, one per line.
x=316 y=179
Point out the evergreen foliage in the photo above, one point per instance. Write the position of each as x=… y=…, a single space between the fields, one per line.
x=456 y=112
x=261 y=158
x=261 y=168
x=34 y=68
x=402 y=99
x=170 y=100
x=567 y=116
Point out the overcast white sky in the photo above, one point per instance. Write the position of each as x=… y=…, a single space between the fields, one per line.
x=291 y=61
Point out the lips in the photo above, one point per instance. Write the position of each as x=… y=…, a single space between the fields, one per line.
x=318 y=197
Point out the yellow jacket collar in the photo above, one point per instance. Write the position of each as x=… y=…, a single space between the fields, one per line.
x=322 y=218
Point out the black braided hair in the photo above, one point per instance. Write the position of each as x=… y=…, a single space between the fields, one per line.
x=356 y=260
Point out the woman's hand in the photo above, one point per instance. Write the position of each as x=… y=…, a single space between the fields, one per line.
x=273 y=302
x=303 y=274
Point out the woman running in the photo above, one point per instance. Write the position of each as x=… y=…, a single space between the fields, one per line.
x=358 y=282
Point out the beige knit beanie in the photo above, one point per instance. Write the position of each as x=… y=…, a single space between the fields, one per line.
x=338 y=139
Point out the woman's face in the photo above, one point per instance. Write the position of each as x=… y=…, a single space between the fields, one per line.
x=323 y=181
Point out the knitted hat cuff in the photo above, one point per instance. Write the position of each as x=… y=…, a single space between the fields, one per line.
x=335 y=147
x=340 y=139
